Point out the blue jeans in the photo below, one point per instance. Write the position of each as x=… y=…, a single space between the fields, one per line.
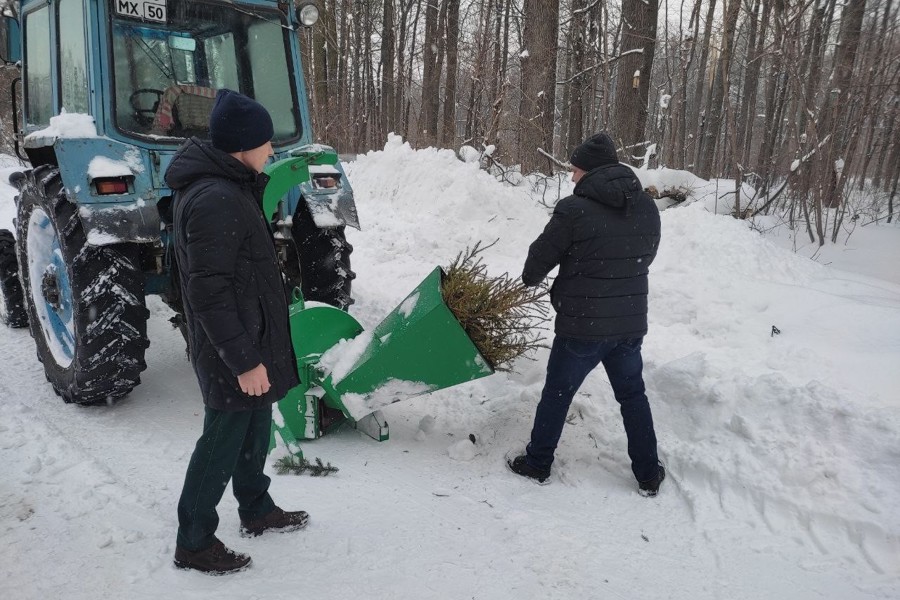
x=570 y=362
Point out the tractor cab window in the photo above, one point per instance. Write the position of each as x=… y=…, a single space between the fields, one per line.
x=167 y=71
x=39 y=88
x=72 y=56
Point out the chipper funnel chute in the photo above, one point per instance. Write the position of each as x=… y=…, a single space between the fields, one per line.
x=418 y=348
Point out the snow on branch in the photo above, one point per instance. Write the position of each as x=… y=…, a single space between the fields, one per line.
x=556 y=161
x=600 y=64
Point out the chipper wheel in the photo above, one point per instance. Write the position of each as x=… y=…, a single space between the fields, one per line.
x=324 y=259
x=12 y=307
x=85 y=303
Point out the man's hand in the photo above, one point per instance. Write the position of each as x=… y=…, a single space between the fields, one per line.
x=255 y=382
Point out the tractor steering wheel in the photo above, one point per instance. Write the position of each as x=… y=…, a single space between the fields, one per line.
x=142 y=114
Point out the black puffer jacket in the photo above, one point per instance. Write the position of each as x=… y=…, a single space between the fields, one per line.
x=603 y=237
x=234 y=299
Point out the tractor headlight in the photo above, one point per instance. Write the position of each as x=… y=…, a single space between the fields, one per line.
x=307 y=14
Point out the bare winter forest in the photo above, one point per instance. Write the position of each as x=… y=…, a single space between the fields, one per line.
x=797 y=99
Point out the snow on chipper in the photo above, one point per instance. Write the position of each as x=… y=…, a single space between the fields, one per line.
x=111 y=89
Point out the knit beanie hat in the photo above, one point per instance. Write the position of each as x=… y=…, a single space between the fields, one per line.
x=596 y=151
x=238 y=123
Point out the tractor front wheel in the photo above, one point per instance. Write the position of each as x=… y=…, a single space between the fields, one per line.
x=324 y=260
x=85 y=303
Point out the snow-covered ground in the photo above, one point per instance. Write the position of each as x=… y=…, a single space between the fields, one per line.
x=783 y=451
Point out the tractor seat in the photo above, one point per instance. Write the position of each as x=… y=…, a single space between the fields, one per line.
x=184 y=109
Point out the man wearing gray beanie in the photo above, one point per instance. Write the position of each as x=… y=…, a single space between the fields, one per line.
x=238 y=331
x=603 y=238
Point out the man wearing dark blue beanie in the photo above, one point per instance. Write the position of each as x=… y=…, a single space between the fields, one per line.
x=237 y=322
x=238 y=123
x=596 y=151
x=603 y=238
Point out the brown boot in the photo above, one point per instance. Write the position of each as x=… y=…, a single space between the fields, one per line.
x=277 y=520
x=215 y=560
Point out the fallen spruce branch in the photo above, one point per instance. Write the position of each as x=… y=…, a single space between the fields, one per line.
x=298 y=466
x=501 y=315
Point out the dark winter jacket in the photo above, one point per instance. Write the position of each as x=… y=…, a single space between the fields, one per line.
x=603 y=237
x=234 y=301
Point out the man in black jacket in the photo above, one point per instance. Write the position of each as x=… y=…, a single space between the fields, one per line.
x=603 y=237
x=237 y=321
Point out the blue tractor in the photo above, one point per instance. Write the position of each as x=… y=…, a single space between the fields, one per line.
x=111 y=89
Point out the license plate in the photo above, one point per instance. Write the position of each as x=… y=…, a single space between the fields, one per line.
x=147 y=10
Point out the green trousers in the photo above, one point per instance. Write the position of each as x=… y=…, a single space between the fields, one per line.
x=233 y=446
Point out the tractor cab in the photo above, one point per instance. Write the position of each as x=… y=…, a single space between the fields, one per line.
x=166 y=69
x=148 y=70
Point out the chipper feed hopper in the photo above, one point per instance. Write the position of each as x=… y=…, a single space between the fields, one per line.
x=418 y=348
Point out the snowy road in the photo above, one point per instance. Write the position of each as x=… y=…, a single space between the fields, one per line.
x=784 y=452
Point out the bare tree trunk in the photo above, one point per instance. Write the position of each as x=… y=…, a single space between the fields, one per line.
x=388 y=83
x=845 y=56
x=432 y=65
x=400 y=88
x=448 y=136
x=634 y=71
x=345 y=114
x=409 y=72
x=755 y=47
x=538 y=83
x=696 y=121
x=713 y=128
x=479 y=70
x=501 y=68
x=773 y=86
x=579 y=38
x=875 y=56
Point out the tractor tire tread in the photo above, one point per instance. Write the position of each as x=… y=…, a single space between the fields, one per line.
x=108 y=297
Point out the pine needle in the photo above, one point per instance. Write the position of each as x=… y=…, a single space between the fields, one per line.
x=501 y=315
x=294 y=465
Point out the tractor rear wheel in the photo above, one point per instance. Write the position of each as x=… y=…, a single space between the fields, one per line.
x=12 y=307
x=85 y=303
x=324 y=260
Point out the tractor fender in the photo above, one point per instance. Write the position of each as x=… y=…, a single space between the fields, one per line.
x=116 y=218
x=331 y=207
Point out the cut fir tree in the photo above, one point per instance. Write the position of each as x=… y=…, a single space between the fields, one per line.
x=500 y=314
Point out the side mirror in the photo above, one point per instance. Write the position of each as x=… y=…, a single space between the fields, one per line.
x=307 y=13
x=13 y=51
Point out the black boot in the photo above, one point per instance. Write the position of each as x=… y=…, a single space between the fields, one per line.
x=216 y=560
x=519 y=466
x=277 y=520
x=650 y=488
